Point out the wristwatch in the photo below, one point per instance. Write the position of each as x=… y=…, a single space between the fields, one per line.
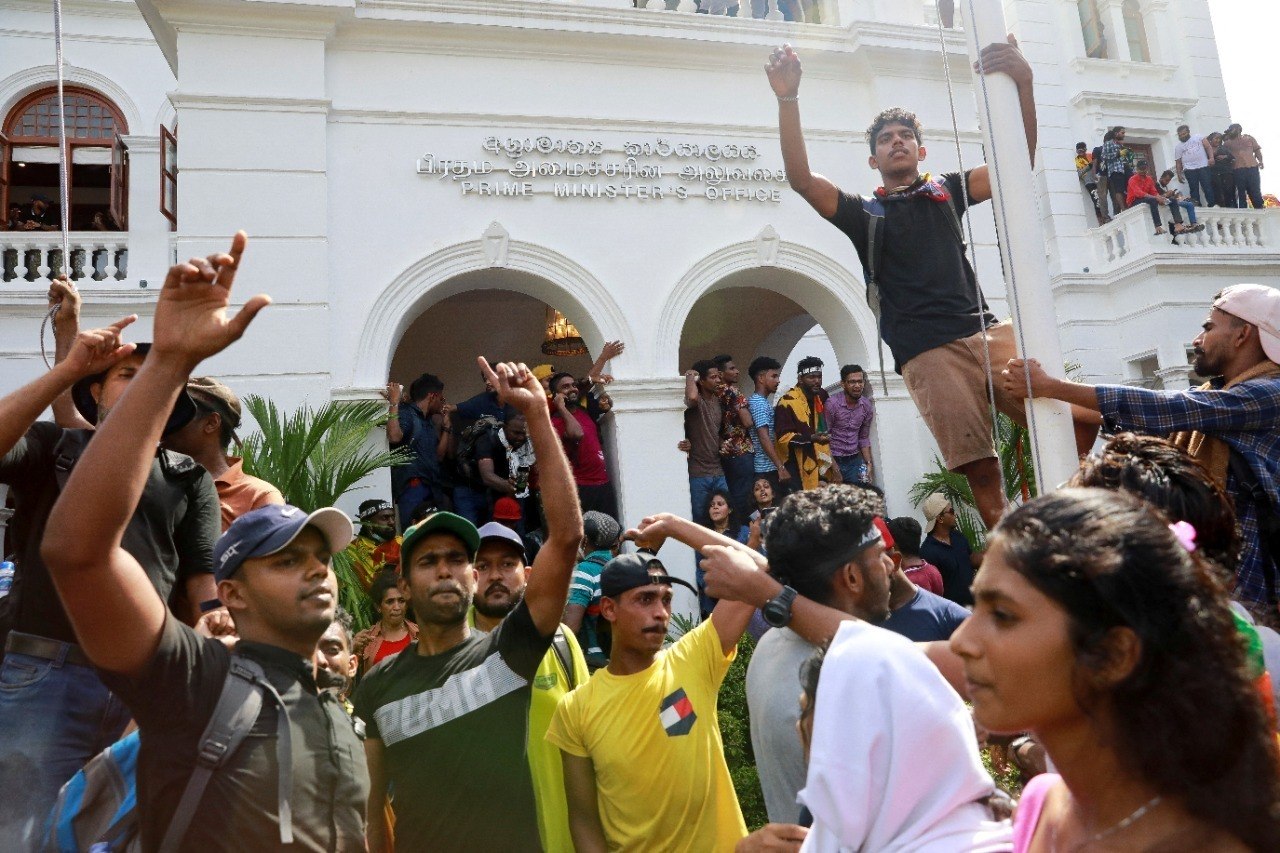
x=777 y=611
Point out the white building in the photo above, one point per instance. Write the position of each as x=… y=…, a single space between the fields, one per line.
x=421 y=179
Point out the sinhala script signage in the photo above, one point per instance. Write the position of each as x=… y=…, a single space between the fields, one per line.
x=575 y=168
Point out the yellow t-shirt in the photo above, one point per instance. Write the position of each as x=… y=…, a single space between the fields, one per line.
x=550 y=684
x=654 y=740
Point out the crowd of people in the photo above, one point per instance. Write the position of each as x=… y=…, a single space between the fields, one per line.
x=173 y=627
x=1221 y=169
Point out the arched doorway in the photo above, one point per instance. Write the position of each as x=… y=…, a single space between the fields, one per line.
x=494 y=313
x=98 y=173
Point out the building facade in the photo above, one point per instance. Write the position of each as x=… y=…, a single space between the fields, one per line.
x=422 y=179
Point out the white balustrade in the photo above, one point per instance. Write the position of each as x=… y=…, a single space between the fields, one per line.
x=1226 y=231
x=33 y=256
x=818 y=11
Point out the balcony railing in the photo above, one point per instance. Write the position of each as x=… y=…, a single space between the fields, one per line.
x=1131 y=236
x=34 y=256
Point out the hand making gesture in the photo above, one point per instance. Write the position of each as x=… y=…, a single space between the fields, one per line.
x=98 y=350
x=784 y=71
x=191 y=315
x=516 y=385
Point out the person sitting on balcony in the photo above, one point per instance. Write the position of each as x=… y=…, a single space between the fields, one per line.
x=13 y=220
x=931 y=312
x=39 y=215
x=1143 y=190
x=1177 y=199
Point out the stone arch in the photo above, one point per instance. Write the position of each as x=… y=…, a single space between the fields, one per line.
x=527 y=268
x=829 y=292
x=24 y=82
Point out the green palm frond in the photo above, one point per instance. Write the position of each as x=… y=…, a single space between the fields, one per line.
x=350 y=594
x=315 y=456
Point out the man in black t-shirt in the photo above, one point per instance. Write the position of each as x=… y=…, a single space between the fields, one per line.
x=55 y=712
x=274 y=577
x=447 y=719
x=931 y=312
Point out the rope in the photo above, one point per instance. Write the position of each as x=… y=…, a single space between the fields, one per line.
x=997 y=190
x=969 y=248
x=50 y=320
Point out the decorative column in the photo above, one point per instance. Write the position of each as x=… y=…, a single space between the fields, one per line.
x=1112 y=12
x=648 y=472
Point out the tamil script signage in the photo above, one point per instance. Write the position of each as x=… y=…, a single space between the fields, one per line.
x=584 y=168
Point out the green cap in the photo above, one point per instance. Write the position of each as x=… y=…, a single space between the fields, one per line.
x=440 y=522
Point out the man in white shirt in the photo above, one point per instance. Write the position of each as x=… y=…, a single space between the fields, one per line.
x=1193 y=156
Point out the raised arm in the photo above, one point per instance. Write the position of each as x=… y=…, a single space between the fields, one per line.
x=690 y=388
x=66 y=326
x=393 y=395
x=609 y=351
x=111 y=603
x=784 y=73
x=548 y=586
x=730 y=617
x=93 y=352
x=1006 y=58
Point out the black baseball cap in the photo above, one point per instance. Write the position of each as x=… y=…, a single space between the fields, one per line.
x=184 y=408
x=631 y=571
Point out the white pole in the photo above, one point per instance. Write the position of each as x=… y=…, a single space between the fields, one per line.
x=1021 y=246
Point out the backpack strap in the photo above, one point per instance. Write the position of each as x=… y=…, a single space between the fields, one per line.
x=67 y=452
x=238 y=707
x=560 y=645
x=875 y=259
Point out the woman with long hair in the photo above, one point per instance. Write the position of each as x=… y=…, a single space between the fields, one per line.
x=1099 y=629
x=719 y=517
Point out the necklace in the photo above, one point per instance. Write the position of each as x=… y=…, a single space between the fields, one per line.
x=1119 y=826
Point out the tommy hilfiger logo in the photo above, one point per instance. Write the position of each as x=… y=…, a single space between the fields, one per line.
x=676 y=714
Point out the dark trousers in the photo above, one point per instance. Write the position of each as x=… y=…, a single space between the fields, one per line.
x=1224 y=188
x=1200 y=181
x=601 y=499
x=740 y=474
x=1248 y=187
x=1154 y=204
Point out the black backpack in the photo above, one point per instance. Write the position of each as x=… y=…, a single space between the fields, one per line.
x=467 y=441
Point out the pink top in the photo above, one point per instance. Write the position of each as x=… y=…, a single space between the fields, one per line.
x=1030 y=806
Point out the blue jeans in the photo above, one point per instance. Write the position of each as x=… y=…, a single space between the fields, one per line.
x=54 y=717
x=700 y=489
x=1188 y=206
x=471 y=504
x=408 y=501
x=853 y=469
x=740 y=474
x=1200 y=181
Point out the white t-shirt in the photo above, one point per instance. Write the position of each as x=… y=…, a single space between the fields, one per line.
x=1191 y=153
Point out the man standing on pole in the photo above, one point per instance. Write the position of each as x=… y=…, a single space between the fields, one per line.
x=910 y=241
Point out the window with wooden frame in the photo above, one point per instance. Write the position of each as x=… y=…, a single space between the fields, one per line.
x=30 y=161
x=1095 y=41
x=169 y=176
x=1135 y=31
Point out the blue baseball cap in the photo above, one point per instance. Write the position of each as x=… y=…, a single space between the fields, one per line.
x=271 y=528
x=495 y=532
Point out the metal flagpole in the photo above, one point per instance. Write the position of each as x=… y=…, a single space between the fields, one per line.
x=1021 y=246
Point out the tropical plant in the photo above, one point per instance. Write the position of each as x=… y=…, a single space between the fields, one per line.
x=314 y=457
x=1016 y=471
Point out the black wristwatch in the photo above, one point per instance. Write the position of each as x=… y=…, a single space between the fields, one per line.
x=777 y=610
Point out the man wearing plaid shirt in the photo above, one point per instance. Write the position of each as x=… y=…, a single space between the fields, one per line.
x=1238 y=411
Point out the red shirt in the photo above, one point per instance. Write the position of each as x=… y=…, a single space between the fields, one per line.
x=587 y=460
x=1141 y=186
x=390 y=647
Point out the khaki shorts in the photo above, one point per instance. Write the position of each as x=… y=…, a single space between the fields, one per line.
x=949 y=387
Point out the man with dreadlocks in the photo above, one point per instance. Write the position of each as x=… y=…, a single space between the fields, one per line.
x=919 y=283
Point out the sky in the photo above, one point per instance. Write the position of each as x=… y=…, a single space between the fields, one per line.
x=1246 y=31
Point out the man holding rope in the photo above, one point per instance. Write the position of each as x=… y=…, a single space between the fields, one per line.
x=920 y=284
